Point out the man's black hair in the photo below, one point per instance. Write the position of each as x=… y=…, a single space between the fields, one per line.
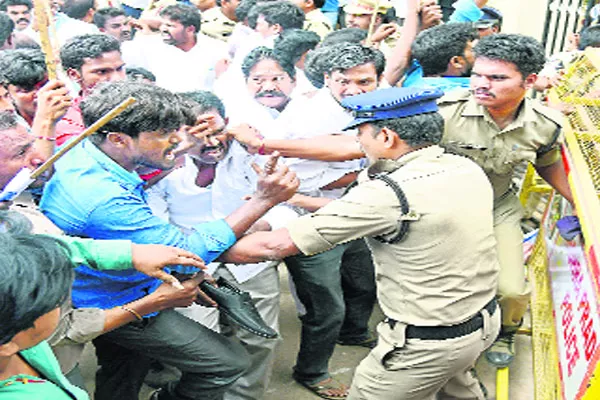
x=589 y=37
x=185 y=14
x=203 y=101
x=263 y=53
x=24 y=68
x=7 y=26
x=340 y=57
x=37 y=274
x=136 y=74
x=74 y=52
x=282 y=13
x=525 y=52
x=319 y=3
x=415 y=130
x=242 y=10
x=293 y=43
x=155 y=109
x=346 y=35
x=434 y=47
x=104 y=14
x=8 y=3
x=77 y=9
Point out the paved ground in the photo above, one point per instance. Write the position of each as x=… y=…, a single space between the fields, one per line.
x=345 y=360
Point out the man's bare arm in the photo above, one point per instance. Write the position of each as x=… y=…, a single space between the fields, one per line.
x=556 y=176
x=261 y=246
x=400 y=58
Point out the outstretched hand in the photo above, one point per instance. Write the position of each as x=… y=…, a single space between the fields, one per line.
x=150 y=259
x=275 y=182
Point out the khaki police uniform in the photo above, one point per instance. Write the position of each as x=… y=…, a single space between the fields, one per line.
x=533 y=137
x=318 y=23
x=442 y=273
x=216 y=25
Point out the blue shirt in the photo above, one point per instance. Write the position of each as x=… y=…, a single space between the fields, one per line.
x=92 y=196
x=465 y=11
x=415 y=78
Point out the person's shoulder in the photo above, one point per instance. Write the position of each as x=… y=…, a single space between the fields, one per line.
x=454 y=97
x=547 y=114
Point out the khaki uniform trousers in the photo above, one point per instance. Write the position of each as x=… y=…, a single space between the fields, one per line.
x=416 y=369
x=513 y=289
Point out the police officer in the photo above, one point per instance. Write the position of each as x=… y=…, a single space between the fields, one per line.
x=499 y=128
x=218 y=22
x=427 y=217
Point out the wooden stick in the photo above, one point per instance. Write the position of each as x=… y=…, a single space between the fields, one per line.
x=42 y=16
x=88 y=132
x=372 y=24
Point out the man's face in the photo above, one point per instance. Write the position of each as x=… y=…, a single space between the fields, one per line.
x=370 y=141
x=118 y=27
x=270 y=85
x=487 y=30
x=204 y=5
x=25 y=98
x=174 y=33
x=212 y=148
x=229 y=6
x=21 y=16
x=156 y=149
x=264 y=28
x=16 y=152
x=469 y=58
x=109 y=67
x=361 y=21
x=498 y=84
x=356 y=80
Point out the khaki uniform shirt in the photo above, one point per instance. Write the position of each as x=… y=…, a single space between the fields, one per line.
x=216 y=25
x=318 y=23
x=445 y=269
x=534 y=137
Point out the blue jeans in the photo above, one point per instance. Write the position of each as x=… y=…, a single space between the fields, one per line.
x=337 y=288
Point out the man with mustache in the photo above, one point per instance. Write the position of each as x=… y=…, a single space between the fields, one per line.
x=181 y=58
x=114 y=22
x=19 y=11
x=96 y=193
x=190 y=195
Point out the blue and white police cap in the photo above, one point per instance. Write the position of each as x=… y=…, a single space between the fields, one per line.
x=391 y=103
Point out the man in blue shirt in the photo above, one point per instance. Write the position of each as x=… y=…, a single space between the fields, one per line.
x=95 y=192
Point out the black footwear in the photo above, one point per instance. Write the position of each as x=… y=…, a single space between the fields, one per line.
x=238 y=306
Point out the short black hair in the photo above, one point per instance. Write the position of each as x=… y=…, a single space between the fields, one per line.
x=155 y=109
x=8 y=3
x=242 y=10
x=37 y=274
x=137 y=73
x=346 y=35
x=416 y=130
x=77 y=9
x=264 y=53
x=344 y=56
x=589 y=37
x=282 y=13
x=293 y=43
x=7 y=26
x=319 y=3
x=104 y=14
x=74 y=52
x=526 y=53
x=204 y=101
x=185 y=14
x=8 y=120
x=14 y=223
x=434 y=47
x=24 y=68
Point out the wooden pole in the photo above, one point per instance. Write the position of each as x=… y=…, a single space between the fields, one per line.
x=372 y=24
x=88 y=132
x=44 y=22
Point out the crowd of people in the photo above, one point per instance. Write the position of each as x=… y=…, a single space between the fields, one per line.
x=367 y=147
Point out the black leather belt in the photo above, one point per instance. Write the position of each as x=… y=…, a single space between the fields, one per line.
x=446 y=332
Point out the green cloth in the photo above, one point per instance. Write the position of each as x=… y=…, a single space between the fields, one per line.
x=54 y=387
x=98 y=254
